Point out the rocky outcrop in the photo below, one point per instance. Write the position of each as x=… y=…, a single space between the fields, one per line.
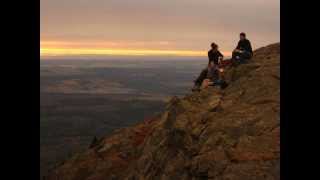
x=213 y=134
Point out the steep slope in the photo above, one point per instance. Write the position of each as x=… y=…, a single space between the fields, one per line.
x=212 y=134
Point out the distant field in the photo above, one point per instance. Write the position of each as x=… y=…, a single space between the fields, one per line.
x=83 y=99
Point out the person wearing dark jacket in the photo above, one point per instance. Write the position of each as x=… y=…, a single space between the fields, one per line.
x=215 y=57
x=243 y=50
x=214 y=54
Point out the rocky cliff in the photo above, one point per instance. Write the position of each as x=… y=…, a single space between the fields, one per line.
x=213 y=134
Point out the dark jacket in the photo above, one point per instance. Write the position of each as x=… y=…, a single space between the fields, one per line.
x=244 y=45
x=214 y=56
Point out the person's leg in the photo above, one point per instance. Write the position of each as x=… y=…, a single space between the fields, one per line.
x=236 y=58
x=223 y=84
x=202 y=76
x=221 y=74
x=199 y=80
x=245 y=56
x=205 y=83
x=234 y=54
x=220 y=82
x=242 y=58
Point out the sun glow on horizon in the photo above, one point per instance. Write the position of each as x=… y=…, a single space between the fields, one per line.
x=58 y=48
x=120 y=52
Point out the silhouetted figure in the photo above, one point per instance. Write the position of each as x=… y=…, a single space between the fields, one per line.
x=212 y=71
x=214 y=55
x=243 y=50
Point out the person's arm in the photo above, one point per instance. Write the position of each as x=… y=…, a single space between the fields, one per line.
x=220 y=58
x=250 y=47
x=209 y=58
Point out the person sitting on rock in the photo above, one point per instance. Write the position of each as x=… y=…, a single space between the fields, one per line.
x=215 y=57
x=214 y=54
x=243 y=51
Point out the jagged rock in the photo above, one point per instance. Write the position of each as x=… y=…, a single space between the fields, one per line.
x=213 y=134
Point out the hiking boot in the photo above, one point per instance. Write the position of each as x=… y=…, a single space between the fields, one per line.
x=224 y=85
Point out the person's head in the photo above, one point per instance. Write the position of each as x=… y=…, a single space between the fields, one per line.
x=242 y=36
x=214 y=46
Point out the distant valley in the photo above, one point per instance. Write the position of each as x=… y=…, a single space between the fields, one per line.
x=87 y=98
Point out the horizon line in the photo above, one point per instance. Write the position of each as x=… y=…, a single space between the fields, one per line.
x=59 y=52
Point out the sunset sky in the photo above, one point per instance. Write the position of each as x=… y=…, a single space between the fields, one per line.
x=154 y=27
